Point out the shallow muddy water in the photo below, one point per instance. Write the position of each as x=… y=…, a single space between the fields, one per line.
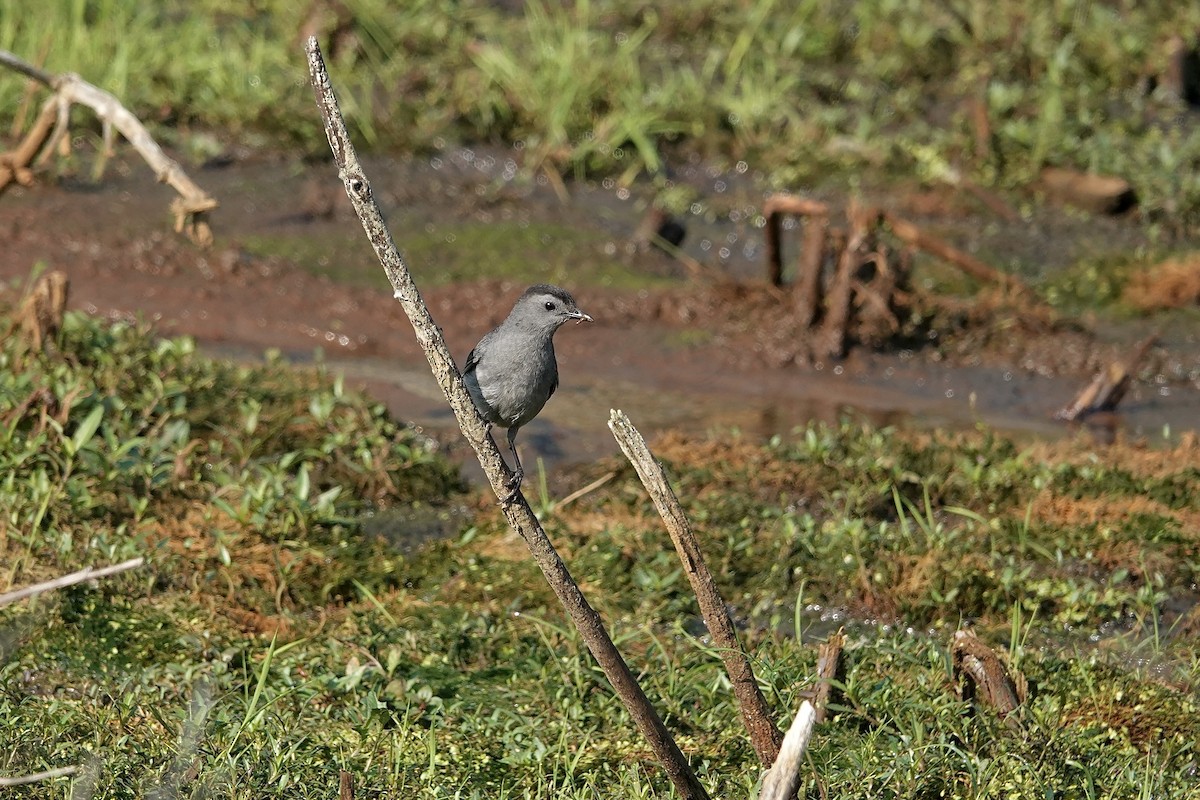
x=291 y=270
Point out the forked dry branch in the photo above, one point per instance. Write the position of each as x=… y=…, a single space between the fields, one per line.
x=49 y=131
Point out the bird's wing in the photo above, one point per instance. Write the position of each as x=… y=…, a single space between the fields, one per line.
x=472 y=360
x=553 y=386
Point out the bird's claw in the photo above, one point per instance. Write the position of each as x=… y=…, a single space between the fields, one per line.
x=514 y=488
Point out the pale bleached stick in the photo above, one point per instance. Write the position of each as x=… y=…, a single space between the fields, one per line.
x=82 y=575
x=39 y=776
x=193 y=204
x=783 y=778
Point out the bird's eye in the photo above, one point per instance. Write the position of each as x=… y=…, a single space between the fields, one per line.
x=550 y=305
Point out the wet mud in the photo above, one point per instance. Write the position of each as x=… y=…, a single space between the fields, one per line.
x=291 y=270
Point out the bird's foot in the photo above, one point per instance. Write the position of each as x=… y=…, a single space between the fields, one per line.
x=514 y=488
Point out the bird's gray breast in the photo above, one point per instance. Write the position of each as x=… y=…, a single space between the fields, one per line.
x=514 y=377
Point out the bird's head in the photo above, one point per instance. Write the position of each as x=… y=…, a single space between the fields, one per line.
x=546 y=307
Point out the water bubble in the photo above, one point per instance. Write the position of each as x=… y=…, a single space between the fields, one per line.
x=839 y=369
x=622 y=193
x=705 y=245
x=720 y=186
x=610 y=248
x=696 y=209
x=255 y=81
x=735 y=120
x=731 y=238
x=439 y=143
x=451 y=238
x=621 y=37
x=741 y=167
x=1008 y=376
x=608 y=183
x=723 y=253
x=435 y=162
x=949 y=394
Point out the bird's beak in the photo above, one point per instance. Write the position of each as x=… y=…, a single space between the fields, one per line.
x=579 y=317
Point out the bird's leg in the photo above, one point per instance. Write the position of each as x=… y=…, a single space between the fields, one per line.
x=519 y=472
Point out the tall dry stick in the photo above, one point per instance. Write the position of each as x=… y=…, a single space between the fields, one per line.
x=518 y=513
x=757 y=718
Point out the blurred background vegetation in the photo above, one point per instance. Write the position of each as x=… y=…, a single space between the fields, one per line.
x=800 y=89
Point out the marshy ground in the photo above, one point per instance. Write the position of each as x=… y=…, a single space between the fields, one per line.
x=328 y=589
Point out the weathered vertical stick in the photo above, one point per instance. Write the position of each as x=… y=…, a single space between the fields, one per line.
x=828 y=655
x=807 y=292
x=519 y=515
x=756 y=716
x=837 y=310
x=774 y=209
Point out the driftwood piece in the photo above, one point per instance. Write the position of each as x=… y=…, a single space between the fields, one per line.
x=764 y=735
x=517 y=511
x=190 y=209
x=980 y=674
x=832 y=336
x=783 y=778
x=69 y=580
x=829 y=656
x=1108 y=388
x=1097 y=194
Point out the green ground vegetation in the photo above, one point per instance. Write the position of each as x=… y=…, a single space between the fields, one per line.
x=799 y=89
x=272 y=641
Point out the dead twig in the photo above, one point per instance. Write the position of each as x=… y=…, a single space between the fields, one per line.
x=832 y=337
x=82 y=575
x=190 y=209
x=591 y=487
x=520 y=517
x=39 y=776
x=1107 y=389
x=911 y=234
x=345 y=786
x=829 y=654
x=764 y=735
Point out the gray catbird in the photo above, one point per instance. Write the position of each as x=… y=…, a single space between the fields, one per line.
x=512 y=372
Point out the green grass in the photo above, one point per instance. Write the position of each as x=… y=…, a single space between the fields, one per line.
x=801 y=90
x=271 y=642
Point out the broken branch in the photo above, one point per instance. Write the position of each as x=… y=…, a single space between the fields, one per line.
x=190 y=209
x=765 y=737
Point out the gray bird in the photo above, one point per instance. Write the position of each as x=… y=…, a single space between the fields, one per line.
x=512 y=372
